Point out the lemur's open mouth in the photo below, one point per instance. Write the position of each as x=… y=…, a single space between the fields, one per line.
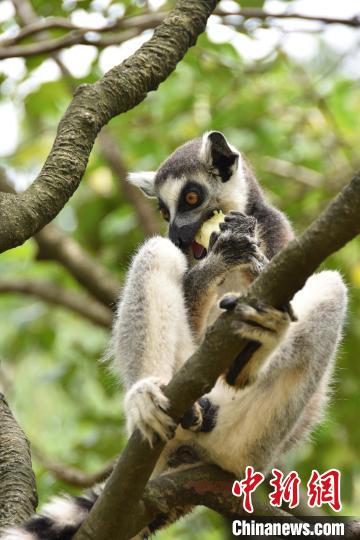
x=199 y=252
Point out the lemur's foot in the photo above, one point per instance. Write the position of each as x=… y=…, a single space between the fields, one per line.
x=201 y=416
x=193 y=418
x=146 y=409
x=237 y=244
x=261 y=324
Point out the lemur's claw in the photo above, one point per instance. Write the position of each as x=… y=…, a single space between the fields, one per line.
x=229 y=301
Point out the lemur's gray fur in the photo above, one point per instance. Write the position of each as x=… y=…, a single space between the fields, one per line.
x=169 y=299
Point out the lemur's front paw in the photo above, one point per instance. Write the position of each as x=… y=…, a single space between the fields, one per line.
x=234 y=248
x=146 y=409
x=239 y=223
x=237 y=244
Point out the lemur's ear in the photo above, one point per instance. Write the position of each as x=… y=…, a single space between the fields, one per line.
x=144 y=181
x=216 y=153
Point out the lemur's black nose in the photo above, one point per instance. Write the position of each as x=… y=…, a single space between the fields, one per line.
x=182 y=236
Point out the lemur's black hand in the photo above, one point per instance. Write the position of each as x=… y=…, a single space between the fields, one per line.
x=239 y=223
x=236 y=242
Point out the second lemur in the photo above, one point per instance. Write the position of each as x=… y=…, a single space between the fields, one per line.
x=171 y=296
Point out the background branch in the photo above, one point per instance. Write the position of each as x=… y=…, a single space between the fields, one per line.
x=18 y=497
x=54 y=294
x=144 y=212
x=258 y=13
x=39 y=26
x=127 y=28
x=276 y=285
x=71 y=475
x=55 y=245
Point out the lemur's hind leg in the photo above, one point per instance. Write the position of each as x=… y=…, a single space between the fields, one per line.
x=263 y=419
x=151 y=337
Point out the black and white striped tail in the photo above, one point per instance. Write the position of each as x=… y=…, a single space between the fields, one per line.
x=59 y=519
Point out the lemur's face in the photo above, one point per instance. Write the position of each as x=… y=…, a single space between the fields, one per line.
x=202 y=176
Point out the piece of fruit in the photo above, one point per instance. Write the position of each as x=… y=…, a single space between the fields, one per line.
x=202 y=237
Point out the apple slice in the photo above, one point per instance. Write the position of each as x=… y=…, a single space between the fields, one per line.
x=202 y=237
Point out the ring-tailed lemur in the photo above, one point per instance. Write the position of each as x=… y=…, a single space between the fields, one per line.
x=170 y=297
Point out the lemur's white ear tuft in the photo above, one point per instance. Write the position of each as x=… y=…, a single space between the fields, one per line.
x=144 y=181
x=217 y=153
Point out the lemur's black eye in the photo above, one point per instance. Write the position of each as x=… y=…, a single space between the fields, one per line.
x=165 y=214
x=192 y=198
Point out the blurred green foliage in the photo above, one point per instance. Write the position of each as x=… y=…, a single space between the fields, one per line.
x=297 y=123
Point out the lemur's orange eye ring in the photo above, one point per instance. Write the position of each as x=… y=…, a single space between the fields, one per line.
x=192 y=197
x=165 y=214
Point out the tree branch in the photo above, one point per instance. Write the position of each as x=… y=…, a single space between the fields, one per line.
x=129 y=27
x=71 y=475
x=55 y=245
x=77 y=37
x=54 y=294
x=92 y=107
x=38 y=26
x=276 y=285
x=143 y=210
x=258 y=13
x=18 y=497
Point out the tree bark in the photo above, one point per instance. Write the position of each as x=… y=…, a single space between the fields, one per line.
x=18 y=498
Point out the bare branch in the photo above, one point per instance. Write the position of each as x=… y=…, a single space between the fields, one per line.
x=38 y=26
x=70 y=475
x=128 y=28
x=143 y=210
x=257 y=13
x=73 y=38
x=276 y=285
x=96 y=279
x=286 y=169
x=18 y=497
x=54 y=294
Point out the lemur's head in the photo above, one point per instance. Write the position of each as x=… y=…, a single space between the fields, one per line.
x=203 y=175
